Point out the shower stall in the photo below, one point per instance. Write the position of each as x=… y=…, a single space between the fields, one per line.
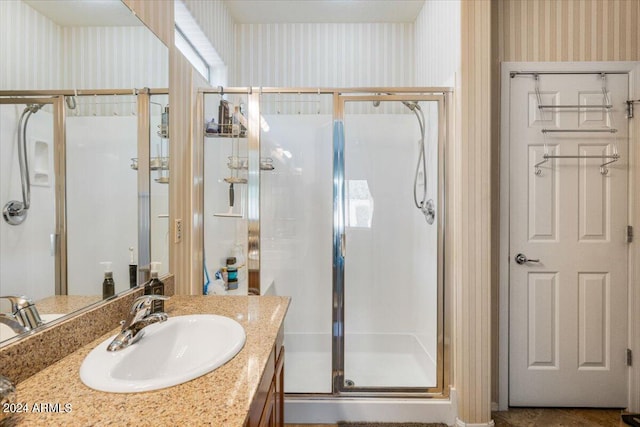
x=343 y=210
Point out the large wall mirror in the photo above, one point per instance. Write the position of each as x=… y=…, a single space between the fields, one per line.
x=72 y=154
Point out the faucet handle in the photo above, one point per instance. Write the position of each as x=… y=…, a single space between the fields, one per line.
x=140 y=309
x=145 y=301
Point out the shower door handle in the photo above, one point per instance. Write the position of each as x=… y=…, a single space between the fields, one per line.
x=343 y=244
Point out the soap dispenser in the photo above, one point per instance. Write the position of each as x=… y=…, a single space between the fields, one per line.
x=155 y=287
x=108 y=285
x=133 y=269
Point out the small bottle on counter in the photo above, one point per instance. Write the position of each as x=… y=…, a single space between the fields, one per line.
x=108 y=285
x=232 y=273
x=155 y=287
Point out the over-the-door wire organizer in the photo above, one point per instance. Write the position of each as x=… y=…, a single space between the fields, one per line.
x=606 y=106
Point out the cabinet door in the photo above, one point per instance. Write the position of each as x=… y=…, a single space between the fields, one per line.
x=279 y=391
x=268 y=414
x=264 y=394
x=268 y=405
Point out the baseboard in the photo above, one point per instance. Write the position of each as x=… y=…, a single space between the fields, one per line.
x=460 y=423
x=494 y=406
x=330 y=410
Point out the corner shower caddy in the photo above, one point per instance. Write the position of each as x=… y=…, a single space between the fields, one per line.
x=160 y=162
x=235 y=162
x=234 y=127
x=606 y=106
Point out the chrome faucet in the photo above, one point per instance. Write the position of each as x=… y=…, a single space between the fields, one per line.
x=11 y=322
x=24 y=315
x=139 y=317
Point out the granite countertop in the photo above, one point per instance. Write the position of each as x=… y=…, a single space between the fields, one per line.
x=64 y=304
x=219 y=398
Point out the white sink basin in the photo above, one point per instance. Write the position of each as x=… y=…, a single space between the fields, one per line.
x=169 y=353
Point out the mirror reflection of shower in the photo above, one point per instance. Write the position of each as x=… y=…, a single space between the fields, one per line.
x=426 y=206
x=15 y=212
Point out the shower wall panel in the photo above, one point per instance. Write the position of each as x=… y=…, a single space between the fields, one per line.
x=296 y=225
x=391 y=262
x=296 y=211
x=27 y=265
x=425 y=268
x=99 y=152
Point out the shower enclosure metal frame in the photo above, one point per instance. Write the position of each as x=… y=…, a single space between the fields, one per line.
x=339 y=248
x=57 y=99
x=443 y=97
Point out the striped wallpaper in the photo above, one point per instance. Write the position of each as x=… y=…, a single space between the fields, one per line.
x=471 y=196
x=30 y=48
x=157 y=15
x=216 y=22
x=44 y=55
x=569 y=30
x=321 y=55
x=113 y=57
x=437 y=43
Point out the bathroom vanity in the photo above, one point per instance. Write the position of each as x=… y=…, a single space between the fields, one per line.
x=247 y=391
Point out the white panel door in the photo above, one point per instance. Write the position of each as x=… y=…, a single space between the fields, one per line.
x=568 y=312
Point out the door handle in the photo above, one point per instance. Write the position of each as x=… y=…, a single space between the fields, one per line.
x=522 y=258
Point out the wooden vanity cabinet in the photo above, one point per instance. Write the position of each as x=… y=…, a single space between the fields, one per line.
x=267 y=408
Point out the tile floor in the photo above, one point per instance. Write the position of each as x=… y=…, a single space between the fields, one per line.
x=533 y=417
x=526 y=417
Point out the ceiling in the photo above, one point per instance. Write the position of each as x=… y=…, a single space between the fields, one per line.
x=115 y=13
x=79 y=13
x=303 y=11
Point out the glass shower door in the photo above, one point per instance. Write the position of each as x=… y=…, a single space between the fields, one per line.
x=389 y=238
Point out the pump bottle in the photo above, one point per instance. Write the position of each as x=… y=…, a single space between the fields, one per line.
x=155 y=287
x=108 y=285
